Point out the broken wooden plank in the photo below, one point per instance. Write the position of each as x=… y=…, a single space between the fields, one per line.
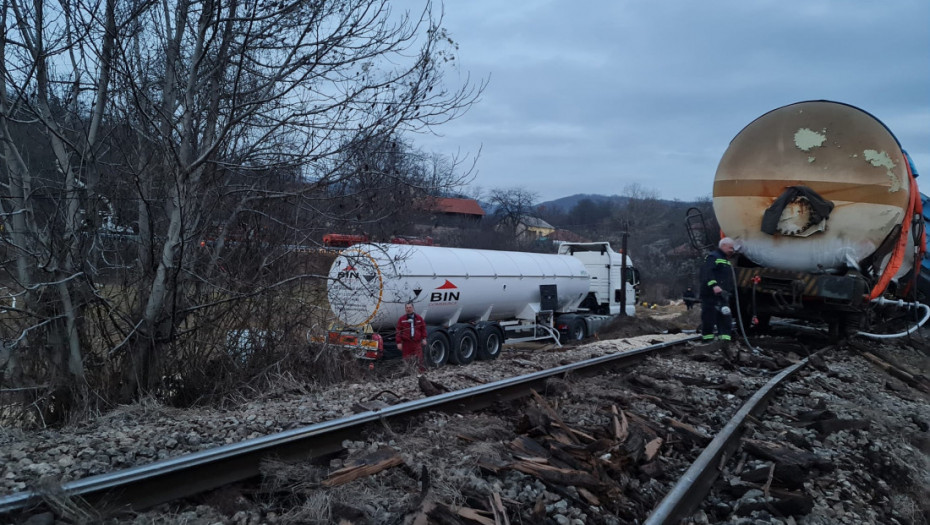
x=430 y=388
x=652 y=448
x=473 y=378
x=621 y=425
x=475 y=515
x=552 y=413
x=497 y=508
x=688 y=431
x=578 y=433
x=589 y=497
x=556 y=475
x=829 y=426
x=371 y=464
x=789 y=460
x=648 y=427
x=912 y=380
x=527 y=446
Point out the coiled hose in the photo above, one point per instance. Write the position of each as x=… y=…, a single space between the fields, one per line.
x=901 y=304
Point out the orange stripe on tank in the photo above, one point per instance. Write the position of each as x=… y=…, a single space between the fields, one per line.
x=832 y=191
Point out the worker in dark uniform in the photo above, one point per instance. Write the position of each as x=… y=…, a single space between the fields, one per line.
x=411 y=336
x=716 y=289
x=689 y=297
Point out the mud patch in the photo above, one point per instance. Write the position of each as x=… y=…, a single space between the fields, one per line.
x=671 y=319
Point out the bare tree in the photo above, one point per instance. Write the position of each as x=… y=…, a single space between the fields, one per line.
x=511 y=206
x=55 y=89
x=193 y=130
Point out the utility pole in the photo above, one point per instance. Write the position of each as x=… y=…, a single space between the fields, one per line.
x=623 y=280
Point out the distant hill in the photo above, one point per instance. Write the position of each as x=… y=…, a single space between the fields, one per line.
x=565 y=204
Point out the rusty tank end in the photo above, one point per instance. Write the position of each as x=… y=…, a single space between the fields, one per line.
x=817 y=195
x=854 y=180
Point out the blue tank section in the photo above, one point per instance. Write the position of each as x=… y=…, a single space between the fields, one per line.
x=923 y=284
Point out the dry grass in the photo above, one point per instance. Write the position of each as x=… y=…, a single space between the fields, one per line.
x=68 y=507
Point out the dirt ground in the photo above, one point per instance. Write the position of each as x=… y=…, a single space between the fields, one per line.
x=672 y=318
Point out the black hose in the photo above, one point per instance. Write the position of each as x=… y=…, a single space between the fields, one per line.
x=739 y=317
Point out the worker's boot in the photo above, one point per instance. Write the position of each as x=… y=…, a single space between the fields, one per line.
x=709 y=345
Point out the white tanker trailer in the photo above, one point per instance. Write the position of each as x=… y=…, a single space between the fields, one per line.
x=824 y=207
x=475 y=300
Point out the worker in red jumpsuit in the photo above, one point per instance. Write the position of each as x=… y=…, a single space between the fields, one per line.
x=411 y=336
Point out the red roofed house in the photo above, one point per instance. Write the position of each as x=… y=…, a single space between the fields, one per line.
x=450 y=210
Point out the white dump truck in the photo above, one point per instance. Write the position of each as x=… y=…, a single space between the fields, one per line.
x=473 y=301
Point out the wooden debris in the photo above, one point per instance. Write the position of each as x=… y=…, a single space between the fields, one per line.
x=653 y=469
x=649 y=428
x=529 y=447
x=621 y=425
x=475 y=515
x=590 y=498
x=497 y=509
x=556 y=475
x=826 y=422
x=430 y=388
x=473 y=378
x=578 y=433
x=916 y=381
x=829 y=426
x=600 y=445
x=790 y=463
x=652 y=448
x=689 y=431
x=539 y=511
x=552 y=414
x=383 y=459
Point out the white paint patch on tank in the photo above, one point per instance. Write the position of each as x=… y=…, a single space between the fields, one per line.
x=370 y=283
x=807 y=140
x=882 y=160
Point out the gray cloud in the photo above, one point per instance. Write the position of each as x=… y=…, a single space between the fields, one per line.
x=593 y=96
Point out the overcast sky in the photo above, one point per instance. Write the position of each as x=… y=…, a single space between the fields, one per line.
x=592 y=96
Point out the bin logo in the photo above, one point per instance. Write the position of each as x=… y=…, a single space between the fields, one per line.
x=447 y=293
x=349 y=272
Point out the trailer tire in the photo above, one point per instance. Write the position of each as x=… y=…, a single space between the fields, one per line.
x=436 y=352
x=464 y=345
x=576 y=330
x=490 y=342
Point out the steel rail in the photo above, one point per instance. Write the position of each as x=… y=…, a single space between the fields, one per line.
x=154 y=483
x=695 y=483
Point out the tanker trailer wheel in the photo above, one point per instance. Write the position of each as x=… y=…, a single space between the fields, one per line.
x=490 y=341
x=437 y=349
x=464 y=345
x=576 y=330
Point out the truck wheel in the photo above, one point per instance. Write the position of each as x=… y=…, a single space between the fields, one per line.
x=490 y=342
x=576 y=330
x=464 y=346
x=436 y=352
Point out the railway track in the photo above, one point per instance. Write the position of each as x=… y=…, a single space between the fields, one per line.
x=147 y=485
x=687 y=458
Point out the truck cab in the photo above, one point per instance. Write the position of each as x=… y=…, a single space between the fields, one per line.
x=614 y=279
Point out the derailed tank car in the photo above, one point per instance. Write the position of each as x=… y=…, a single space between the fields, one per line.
x=824 y=206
